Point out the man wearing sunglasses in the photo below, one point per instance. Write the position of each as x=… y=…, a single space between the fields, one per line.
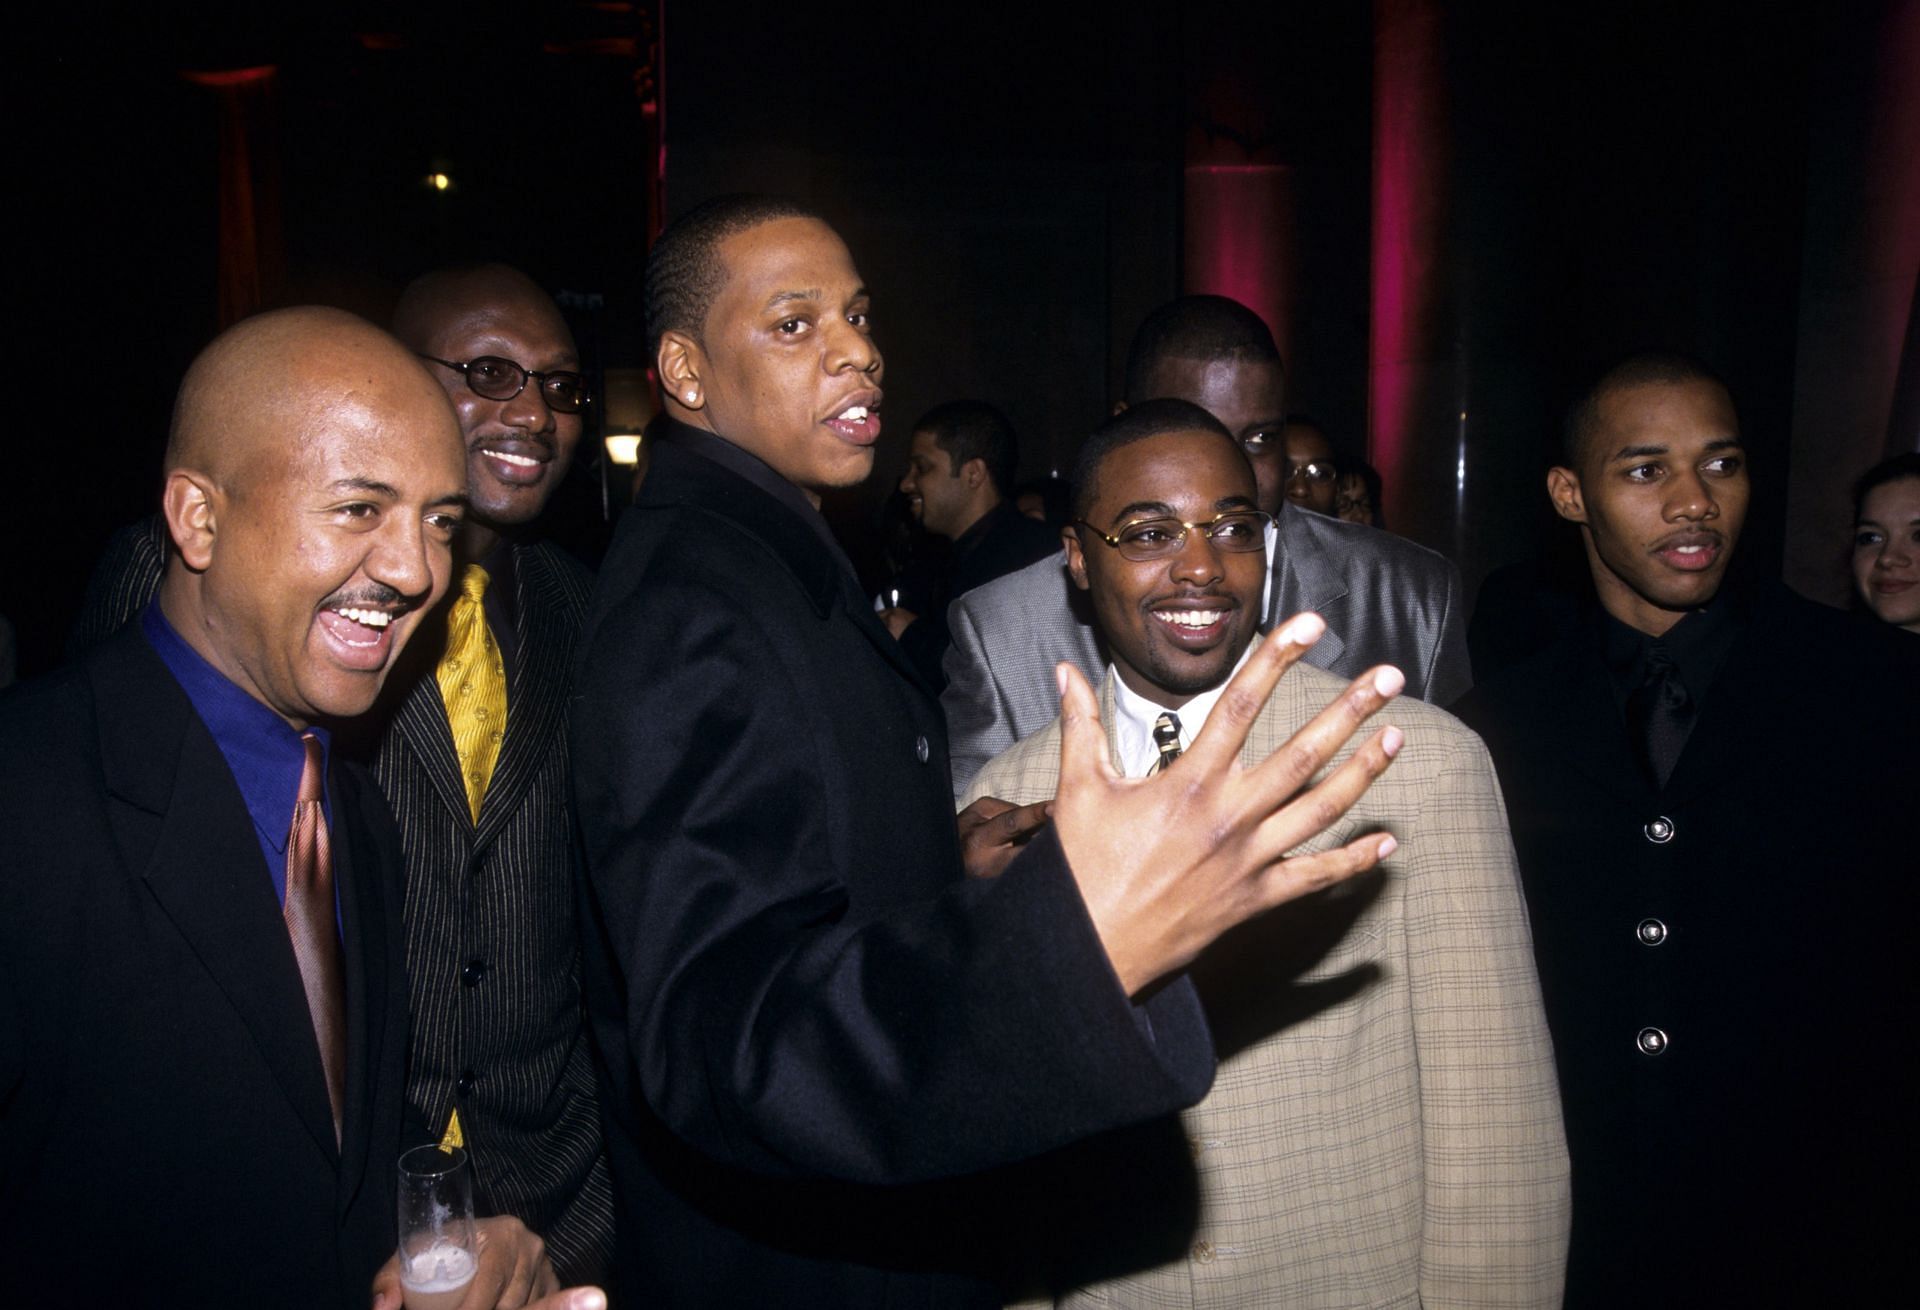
x=468 y=743
x=1384 y=1128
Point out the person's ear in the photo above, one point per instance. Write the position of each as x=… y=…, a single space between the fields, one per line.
x=975 y=472
x=189 y=505
x=1076 y=558
x=1563 y=489
x=680 y=365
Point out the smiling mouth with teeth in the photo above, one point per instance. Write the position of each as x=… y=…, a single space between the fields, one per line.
x=1190 y=618
x=518 y=461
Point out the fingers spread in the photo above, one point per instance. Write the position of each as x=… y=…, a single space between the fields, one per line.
x=1246 y=694
x=1303 y=875
x=1305 y=753
x=1314 y=811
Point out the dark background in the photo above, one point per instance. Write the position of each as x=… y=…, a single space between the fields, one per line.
x=1018 y=186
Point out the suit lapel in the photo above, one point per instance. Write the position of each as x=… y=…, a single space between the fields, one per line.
x=880 y=639
x=537 y=699
x=356 y=871
x=1305 y=579
x=201 y=862
x=1589 y=731
x=421 y=721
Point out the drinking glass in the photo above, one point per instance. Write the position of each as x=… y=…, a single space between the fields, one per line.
x=438 y=1254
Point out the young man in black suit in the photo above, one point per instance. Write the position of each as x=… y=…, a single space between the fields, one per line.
x=813 y=1024
x=203 y=1014
x=1710 y=786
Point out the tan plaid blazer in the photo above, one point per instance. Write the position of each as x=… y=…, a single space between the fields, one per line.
x=1391 y=1137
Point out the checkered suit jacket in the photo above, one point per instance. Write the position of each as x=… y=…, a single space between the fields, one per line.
x=1385 y=1127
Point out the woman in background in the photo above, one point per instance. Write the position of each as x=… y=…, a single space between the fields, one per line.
x=1886 y=540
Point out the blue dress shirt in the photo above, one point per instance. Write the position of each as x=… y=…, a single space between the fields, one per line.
x=261 y=748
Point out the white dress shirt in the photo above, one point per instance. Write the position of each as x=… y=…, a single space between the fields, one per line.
x=1133 y=716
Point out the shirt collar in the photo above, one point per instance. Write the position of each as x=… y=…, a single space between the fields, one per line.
x=261 y=748
x=744 y=463
x=1133 y=716
x=1698 y=646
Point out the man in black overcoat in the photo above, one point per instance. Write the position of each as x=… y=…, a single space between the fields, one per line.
x=814 y=1027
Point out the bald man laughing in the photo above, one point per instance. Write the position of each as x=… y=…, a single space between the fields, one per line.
x=468 y=744
x=203 y=1014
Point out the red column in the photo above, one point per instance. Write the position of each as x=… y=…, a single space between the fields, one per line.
x=1415 y=429
x=249 y=248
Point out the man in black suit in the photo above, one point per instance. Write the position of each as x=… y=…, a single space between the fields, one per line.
x=812 y=1023
x=1710 y=786
x=201 y=1041
x=958 y=476
x=499 y=1060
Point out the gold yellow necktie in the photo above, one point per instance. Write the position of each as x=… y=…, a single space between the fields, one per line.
x=473 y=685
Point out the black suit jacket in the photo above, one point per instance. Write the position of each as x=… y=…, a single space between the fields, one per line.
x=491 y=935
x=809 y=1017
x=1754 y=912
x=1003 y=541
x=165 y=1136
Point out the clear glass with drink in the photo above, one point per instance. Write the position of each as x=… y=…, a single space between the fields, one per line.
x=438 y=1253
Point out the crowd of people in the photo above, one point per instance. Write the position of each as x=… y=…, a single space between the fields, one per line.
x=1118 y=909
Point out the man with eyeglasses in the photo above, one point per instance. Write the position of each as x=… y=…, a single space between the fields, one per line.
x=468 y=743
x=1386 y=600
x=1384 y=1128
x=1312 y=474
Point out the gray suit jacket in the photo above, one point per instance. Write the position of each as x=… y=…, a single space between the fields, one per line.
x=1385 y=600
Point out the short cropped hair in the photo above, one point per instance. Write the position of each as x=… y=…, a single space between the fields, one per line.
x=973 y=429
x=1901 y=466
x=684 y=271
x=1195 y=327
x=1649 y=368
x=1150 y=418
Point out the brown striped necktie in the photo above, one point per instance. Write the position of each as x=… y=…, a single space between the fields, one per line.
x=313 y=926
x=1166 y=739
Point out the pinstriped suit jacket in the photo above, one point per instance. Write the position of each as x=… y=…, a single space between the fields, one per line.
x=1386 y=600
x=1385 y=1126
x=501 y=893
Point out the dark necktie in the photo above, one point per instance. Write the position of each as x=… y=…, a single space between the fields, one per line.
x=312 y=927
x=1166 y=738
x=1660 y=715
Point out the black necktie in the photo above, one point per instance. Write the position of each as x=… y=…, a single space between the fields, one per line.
x=1660 y=715
x=1166 y=738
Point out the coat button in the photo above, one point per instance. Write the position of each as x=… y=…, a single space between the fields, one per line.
x=1651 y=1041
x=921 y=750
x=464 y=1085
x=1203 y=1252
x=474 y=971
x=1660 y=831
x=1651 y=932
